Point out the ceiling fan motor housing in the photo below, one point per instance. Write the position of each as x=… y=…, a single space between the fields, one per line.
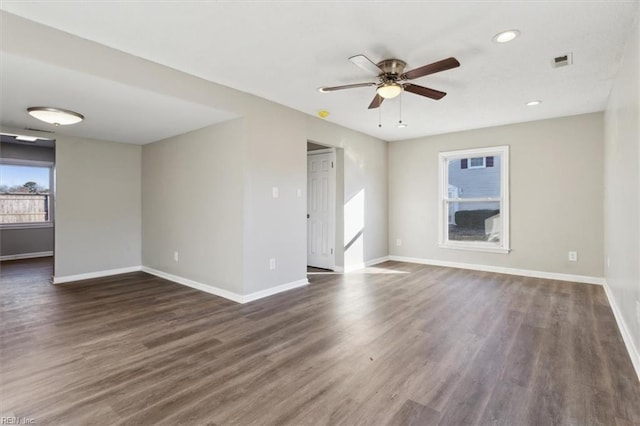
x=392 y=69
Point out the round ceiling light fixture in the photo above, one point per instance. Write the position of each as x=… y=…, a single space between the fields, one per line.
x=506 y=36
x=389 y=90
x=55 y=116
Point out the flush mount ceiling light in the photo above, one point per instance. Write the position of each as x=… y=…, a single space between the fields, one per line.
x=534 y=103
x=389 y=90
x=506 y=36
x=55 y=116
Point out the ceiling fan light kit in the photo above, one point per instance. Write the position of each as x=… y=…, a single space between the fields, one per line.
x=55 y=116
x=389 y=90
x=392 y=80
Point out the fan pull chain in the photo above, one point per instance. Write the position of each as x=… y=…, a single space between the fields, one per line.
x=380 y=116
x=400 y=123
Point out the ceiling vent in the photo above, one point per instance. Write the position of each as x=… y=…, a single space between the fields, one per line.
x=562 y=60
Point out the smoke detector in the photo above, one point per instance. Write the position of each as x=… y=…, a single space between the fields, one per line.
x=562 y=60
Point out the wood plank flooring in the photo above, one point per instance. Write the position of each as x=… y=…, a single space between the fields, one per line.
x=398 y=344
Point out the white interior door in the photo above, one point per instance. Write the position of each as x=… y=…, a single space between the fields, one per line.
x=320 y=209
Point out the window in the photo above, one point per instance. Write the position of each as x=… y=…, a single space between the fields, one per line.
x=26 y=193
x=474 y=199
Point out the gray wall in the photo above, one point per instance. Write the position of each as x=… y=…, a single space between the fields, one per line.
x=556 y=195
x=275 y=228
x=193 y=203
x=98 y=207
x=27 y=152
x=363 y=160
x=29 y=240
x=275 y=155
x=622 y=194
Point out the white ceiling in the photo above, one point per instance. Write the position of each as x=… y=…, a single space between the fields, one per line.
x=283 y=51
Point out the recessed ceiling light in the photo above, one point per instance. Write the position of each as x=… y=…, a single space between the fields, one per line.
x=506 y=36
x=401 y=124
x=534 y=103
x=55 y=116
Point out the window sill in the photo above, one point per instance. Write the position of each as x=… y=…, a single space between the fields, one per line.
x=7 y=226
x=478 y=247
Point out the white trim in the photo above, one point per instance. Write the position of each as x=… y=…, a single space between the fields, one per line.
x=332 y=203
x=360 y=266
x=483 y=166
x=97 y=274
x=633 y=351
x=321 y=151
x=26 y=225
x=230 y=295
x=26 y=255
x=195 y=284
x=21 y=162
x=444 y=157
x=274 y=290
x=502 y=270
x=480 y=247
x=52 y=198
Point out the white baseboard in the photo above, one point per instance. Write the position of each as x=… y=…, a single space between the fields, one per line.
x=98 y=274
x=503 y=270
x=274 y=290
x=359 y=266
x=634 y=353
x=235 y=297
x=195 y=284
x=26 y=255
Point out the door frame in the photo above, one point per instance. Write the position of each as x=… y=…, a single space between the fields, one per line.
x=332 y=204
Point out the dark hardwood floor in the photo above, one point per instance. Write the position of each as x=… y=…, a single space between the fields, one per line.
x=399 y=344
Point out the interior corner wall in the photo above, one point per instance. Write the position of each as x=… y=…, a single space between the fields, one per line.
x=556 y=195
x=275 y=227
x=192 y=204
x=364 y=204
x=98 y=210
x=622 y=191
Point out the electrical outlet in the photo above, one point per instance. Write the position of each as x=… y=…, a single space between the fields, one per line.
x=272 y=264
x=175 y=256
x=573 y=256
x=275 y=192
x=398 y=242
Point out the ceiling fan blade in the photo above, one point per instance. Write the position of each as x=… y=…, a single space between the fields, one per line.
x=424 y=91
x=346 y=86
x=366 y=64
x=443 y=65
x=376 y=102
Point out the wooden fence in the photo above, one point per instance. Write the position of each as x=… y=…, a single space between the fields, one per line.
x=24 y=208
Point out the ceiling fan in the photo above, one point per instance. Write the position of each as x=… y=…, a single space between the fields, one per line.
x=392 y=78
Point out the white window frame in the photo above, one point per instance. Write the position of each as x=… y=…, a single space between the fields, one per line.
x=444 y=159
x=33 y=163
x=482 y=166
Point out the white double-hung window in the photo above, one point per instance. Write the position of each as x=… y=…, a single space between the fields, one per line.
x=474 y=199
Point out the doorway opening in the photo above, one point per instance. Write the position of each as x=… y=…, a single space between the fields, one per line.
x=27 y=202
x=321 y=207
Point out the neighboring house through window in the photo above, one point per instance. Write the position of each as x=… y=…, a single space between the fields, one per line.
x=474 y=199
